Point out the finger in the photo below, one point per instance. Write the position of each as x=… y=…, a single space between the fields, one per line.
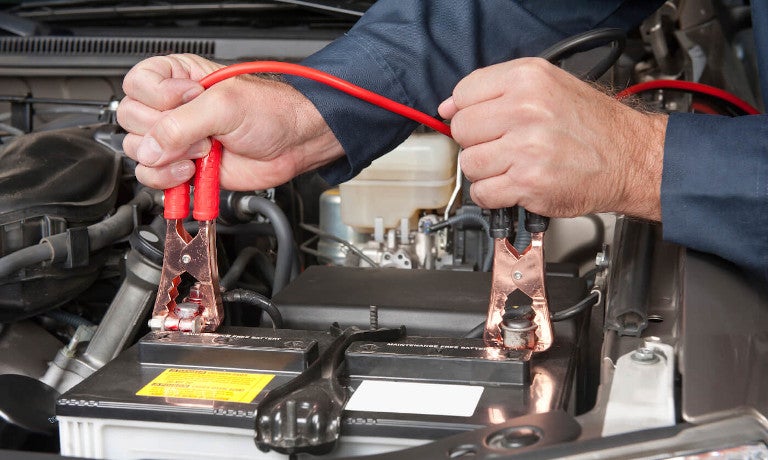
x=147 y=151
x=163 y=83
x=136 y=117
x=167 y=176
x=495 y=192
x=215 y=112
x=131 y=144
x=492 y=81
x=486 y=160
x=482 y=122
x=447 y=109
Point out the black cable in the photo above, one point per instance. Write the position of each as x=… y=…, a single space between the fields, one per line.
x=323 y=234
x=586 y=41
x=568 y=313
x=575 y=310
x=257 y=300
x=476 y=332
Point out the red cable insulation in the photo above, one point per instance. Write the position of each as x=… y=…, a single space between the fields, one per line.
x=176 y=203
x=330 y=80
x=692 y=87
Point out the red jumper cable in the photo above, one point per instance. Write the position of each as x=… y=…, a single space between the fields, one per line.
x=202 y=309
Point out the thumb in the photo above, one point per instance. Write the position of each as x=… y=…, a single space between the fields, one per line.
x=447 y=109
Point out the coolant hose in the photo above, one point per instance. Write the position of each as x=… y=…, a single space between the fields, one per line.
x=285 y=250
x=473 y=218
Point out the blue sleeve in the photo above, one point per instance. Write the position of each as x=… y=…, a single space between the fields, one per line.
x=416 y=51
x=714 y=189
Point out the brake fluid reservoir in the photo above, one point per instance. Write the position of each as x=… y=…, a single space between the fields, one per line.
x=419 y=174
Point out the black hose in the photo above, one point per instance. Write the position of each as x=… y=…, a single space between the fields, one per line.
x=580 y=307
x=241 y=263
x=474 y=218
x=283 y=233
x=100 y=235
x=586 y=41
x=257 y=300
x=120 y=224
x=22 y=258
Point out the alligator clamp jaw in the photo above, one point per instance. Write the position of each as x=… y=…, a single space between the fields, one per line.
x=202 y=309
x=513 y=271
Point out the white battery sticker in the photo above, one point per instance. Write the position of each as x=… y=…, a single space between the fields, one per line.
x=415 y=398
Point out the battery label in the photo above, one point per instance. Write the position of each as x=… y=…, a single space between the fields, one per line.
x=209 y=385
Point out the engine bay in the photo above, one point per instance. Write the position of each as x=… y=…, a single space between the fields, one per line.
x=353 y=316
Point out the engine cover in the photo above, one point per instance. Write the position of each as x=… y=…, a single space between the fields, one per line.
x=50 y=182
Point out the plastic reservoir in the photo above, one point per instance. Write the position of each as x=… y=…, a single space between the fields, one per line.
x=419 y=174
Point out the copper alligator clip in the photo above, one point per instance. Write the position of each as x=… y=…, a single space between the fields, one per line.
x=518 y=271
x=201 y=310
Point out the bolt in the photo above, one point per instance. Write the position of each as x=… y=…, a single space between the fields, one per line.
x=187 y=310
x=186 y=258
x=601 y=260
x=644 y=355
x=518 y=275
x=156 y=323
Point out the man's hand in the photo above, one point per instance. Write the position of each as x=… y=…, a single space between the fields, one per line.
x=270 y=131
x=535 y=136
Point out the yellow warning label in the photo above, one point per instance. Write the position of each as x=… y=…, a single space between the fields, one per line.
x=210 y=385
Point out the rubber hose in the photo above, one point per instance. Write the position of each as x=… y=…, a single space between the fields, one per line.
x=285 y=248
x=238 y=267
x=120 y=224
x=22 y=258
x=257 y=300
x=100 y=235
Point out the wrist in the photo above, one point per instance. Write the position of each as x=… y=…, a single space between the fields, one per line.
x=315 y=144
x=641 y=195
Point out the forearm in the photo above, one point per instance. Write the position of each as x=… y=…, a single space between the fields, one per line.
x=715 y=187
x=415 y=52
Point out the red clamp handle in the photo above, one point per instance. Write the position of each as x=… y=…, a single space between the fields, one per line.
x=207 y=184
x=177 y=202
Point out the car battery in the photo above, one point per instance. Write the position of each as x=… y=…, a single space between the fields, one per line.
x=175 y=395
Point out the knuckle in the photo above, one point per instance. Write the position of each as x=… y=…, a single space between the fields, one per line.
x=460 y=128
x=130 y=144
x=169 y=132
x=148 y=177
x=468 y=165
x=477 y=193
